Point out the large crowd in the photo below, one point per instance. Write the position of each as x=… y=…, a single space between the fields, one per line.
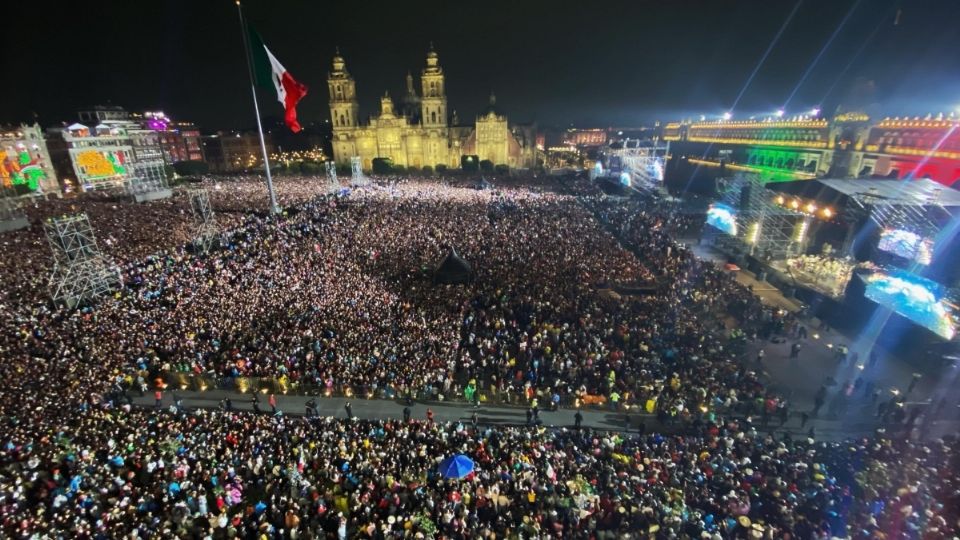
x=337 y=293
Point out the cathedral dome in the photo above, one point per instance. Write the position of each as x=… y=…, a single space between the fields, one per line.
x=432 y=58
x=338 y=62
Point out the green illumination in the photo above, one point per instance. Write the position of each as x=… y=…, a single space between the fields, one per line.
x=21 y=169
x=776 y=165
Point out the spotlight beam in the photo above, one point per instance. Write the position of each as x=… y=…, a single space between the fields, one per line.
x=816 y=59
x=766 y=53
x=746 y=85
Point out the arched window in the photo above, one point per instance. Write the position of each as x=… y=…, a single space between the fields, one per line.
x=343 y=121
x=433 y=117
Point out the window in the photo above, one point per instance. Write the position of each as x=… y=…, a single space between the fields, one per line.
x=343 y=121
x=433 y=117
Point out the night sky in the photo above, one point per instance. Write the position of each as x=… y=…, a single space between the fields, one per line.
x=560 y=62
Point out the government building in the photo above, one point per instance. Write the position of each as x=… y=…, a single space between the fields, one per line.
x=422 y=132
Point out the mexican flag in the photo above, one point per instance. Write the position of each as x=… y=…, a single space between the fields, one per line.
x=271 y=74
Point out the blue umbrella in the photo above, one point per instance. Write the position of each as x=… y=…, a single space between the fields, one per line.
x=456 y=466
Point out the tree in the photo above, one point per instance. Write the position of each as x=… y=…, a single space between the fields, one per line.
x=486 y=166
x=309 y=167
x=469 y=163
x=382 y=166
x=502 y=169
x=441 y=169
x=427 y=170
x=191 y=168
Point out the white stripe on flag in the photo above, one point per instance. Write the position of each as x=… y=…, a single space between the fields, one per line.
x=278 y=71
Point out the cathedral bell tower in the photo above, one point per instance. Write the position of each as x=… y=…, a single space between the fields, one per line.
x=433 y=102
x=344 y=109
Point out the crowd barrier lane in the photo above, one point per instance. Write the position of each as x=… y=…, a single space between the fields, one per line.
x=281 y=386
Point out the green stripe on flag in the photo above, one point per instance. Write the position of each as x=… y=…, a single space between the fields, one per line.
x=262 y=71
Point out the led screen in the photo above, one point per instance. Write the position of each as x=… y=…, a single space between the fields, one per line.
x=914 y=297
x=722 y=217
x=907 y=245
x=18 y=166
x=95 y=165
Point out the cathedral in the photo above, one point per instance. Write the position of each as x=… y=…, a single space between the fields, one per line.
x=421 y=133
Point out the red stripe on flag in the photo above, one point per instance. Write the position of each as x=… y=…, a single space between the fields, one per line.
x=295 y=92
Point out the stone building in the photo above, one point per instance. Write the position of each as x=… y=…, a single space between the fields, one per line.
x=423 y=132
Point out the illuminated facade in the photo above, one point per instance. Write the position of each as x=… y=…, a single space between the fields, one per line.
x=25 y=164
x=915 y=148
x=180 y=141
x=585 y=137
x=420 y=134
x=94 y=158
x=849 y=145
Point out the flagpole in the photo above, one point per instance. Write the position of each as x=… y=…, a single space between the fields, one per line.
x=274 y=207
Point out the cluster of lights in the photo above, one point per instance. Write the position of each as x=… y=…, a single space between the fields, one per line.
x=917 y=122
x=313 y=154
x=251 y=160
x=805 y=207
x=923 y=152
x=852 y=117
x=759 y=142
x=797 y=121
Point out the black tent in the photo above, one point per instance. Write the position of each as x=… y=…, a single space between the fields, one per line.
x=453 y=269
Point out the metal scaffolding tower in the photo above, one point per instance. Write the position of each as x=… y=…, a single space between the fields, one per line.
x=644 y=164
x=332 y=174
x=149 y=183
x=764 y=228
x=80 y=271
x=12 y=216
x=357 y=171
x=206 y=233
